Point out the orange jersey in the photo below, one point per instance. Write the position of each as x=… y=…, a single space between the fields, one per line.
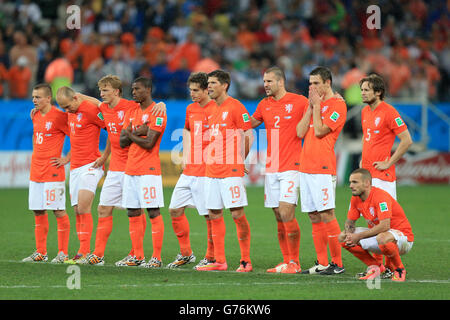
x=224 y=152
x=380 y=127
x=197 y=124
x=114 y=118
x=142 y=161
x=318 y=153
x=85 y=127
x=49 y=131
x=379 y=206
x=280 y=119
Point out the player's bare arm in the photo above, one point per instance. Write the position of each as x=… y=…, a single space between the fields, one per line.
x=405 y=143
x=186 y=147
x=146 y=142
x=349 y=226
x=255 y=123
x=58 y=162
x=125 y=140
x=354 y=238
x=83 y=97
x=303 y=124
x=101 y=160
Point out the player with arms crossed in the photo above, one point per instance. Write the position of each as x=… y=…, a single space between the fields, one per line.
x=231 y=139
x=142 y=186
x=47 y=189
x=280 y=112
x=320 y=128
x=389 y=231
x=190 y=188
x=86 y=164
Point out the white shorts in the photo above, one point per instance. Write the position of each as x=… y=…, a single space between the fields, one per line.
x=47 y=195
x=225 y=193
x=281 y=186
x=388 y=186
x=83 y=178
x=371 y=244
x=189 y=192
x=111 y=194
x=142 y=192
x=317 y=192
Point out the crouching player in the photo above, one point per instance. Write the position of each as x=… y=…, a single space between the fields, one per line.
x=389 y=231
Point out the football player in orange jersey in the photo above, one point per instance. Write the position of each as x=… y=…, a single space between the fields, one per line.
x=47 y=175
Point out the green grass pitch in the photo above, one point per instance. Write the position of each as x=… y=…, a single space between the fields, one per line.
x=428 y=277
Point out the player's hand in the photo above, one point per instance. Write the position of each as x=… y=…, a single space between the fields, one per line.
x=246 y=170
x=33 y=112
x=159 y=109
x=58 y=162
x=351 y=239
x=382 y=165
x=142 y=130
x=99 y=162
x=314 y=97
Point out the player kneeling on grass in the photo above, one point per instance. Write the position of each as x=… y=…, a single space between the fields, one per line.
x=389 y=231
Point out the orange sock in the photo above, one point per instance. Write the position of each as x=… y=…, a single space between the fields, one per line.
x=40 y=232
x=243 y=234
x=218 y=230
x=361 y=254
x=378 y=257
x=282 y=240
x=390 y=250
x=137 y=244
x=293 y=240
x=78 y=224
x=144 y=227
x=104 y=228
x=319 y=234
x=181 y=228
x=86 y=226
x=63 y=226
x=157 y=235
x=333 y=232
x=210 y=244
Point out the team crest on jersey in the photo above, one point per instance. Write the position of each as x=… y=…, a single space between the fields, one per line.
x=224 y=115
x=120 y=114
x=48 y=125
x=288 y=107
x=79 y=116
x=144 y=118
x=372 y=211
x=377 y=121
x=325 y=108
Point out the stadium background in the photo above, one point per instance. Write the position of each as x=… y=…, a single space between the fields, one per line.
x=166 y=40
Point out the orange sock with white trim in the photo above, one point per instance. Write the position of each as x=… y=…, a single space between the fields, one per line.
x=282 y=240
x=293 y=239
x=63 y=227
x=104 y=228
x=135 y=228
x=41 y=232
x=210 y=244
x=333 y=231
x=86 y=226
x=157 y=235
x=319 y=235
x=390 y=250
x=243 y=234
x=181 y=228
x=218 y=230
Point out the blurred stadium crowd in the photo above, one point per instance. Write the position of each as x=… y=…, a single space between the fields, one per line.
x=168 y=39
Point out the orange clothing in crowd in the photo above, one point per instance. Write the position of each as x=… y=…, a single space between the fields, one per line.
x=19 y=81
x=49 y=131
x=142 y=161
x=318 y=156
x=380 y=127
x=224 y=154
x=85 y=127
x=280 y=119
x=197 y=124
x=58 y=68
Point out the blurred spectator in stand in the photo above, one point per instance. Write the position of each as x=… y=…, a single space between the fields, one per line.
x=19 y=77
x=23 y=48
x=122 y=69
x=161 y=77
x=4 y=65
x=92 y=75
x=249 y=80
x=59 y=73
x=179 y=90
x=188 y=50
x=29 y=12
x=399 y=78
x=153 y=45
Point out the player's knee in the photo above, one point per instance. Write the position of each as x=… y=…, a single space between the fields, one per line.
x=237 y=213
x=104 y=211
x=384 y=237
x=341 y=237
x=59 y=213
x=39 y=212
x=153 y=213
x=175 y=213
x=134 y=212
x=315 y=217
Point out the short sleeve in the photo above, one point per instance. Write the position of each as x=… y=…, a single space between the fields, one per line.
x=353 y=212
x=335 y=114
x=396 y=123
x=241 y=117
x=258 y=114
